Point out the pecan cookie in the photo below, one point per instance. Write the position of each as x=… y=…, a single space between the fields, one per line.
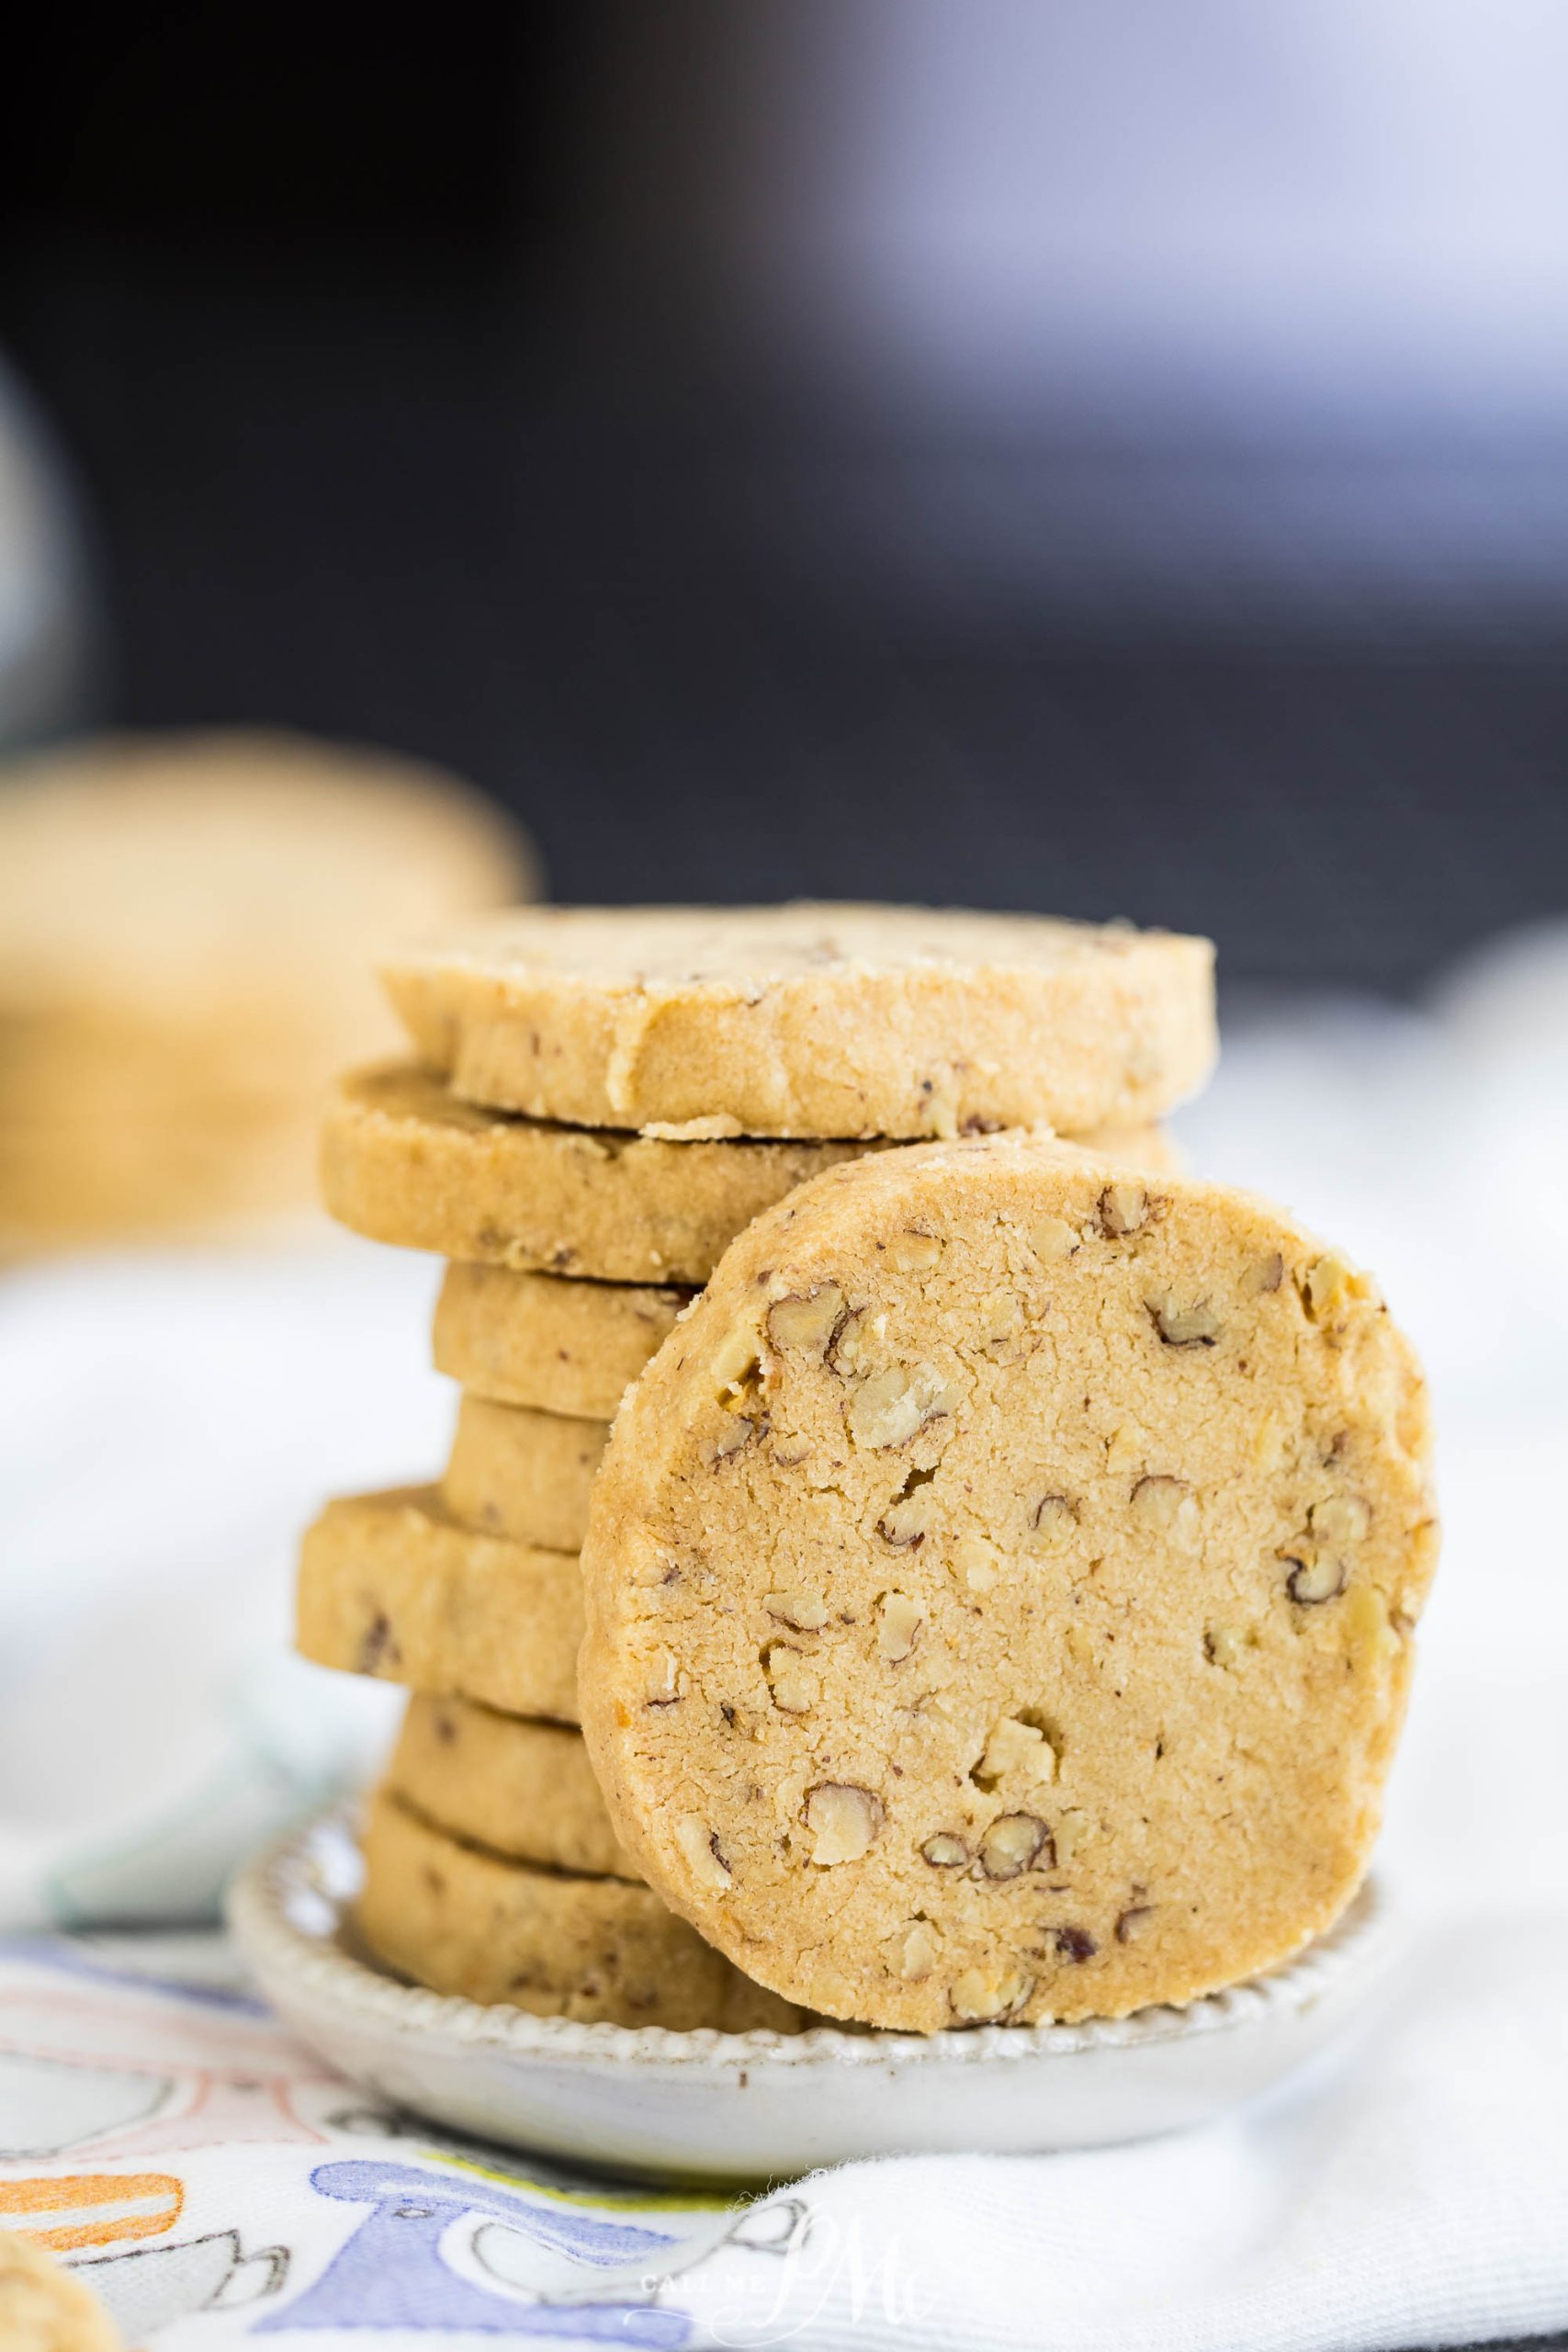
x=999 y=1590
x=402 y=1161
x=43 y=2308
x=547 y=1340
x=598 y=1950
x=405 y=1161
x=516 y=1472
x=159 y=881
x=391 y=1584
x=526 y=1790
x=811 y=1020
x=187 y=923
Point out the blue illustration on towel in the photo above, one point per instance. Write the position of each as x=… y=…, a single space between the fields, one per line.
x=425 y=2256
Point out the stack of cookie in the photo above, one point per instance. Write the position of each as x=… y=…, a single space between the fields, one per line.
x=600 y=1103
x=186 y=924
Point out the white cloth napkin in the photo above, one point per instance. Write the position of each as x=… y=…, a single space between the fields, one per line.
x=169 y=1426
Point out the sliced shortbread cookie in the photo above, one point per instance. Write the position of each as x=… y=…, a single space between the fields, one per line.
x=44 y=2308
x=516 y=1472
x=1001 y=1586
x=402 y=1161
x=125 y=1180
x=194 y=879
x=187 y=926
x=547 y=1340
x=810 y=1020
x=526 y=1790
x=598 y=1949
x=391 y=1584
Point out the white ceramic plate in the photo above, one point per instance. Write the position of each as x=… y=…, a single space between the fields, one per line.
x=756 y=2105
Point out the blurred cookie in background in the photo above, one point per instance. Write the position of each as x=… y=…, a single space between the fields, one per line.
x=43 y=2308
x=187 y=927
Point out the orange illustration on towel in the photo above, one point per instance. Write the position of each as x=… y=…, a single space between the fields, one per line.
x=74 y=2210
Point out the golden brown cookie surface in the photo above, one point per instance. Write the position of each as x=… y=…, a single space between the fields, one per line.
x=460 y=1920
x=547 y=1340
x=522 y=1788
x=516 y=1472
x=187 y=926
x=999 y=1590
x=391 y=1584
x=43 y=2308
x=811 y=1020
x=405 y=1161
x=402 y=1161
x=182 y=874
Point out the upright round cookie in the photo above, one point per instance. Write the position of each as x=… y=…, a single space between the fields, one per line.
x=810 y=1020
x=999 y=1590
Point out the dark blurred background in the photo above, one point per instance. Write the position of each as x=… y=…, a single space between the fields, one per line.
x=1109 y=458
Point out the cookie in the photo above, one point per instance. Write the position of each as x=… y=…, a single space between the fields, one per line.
x=176 y=874
x=459 y=1920
x=999 y=1590
x=807 y=1021
x=402 y=1161
x=542 y=1340
x=43 y=2308
x=187 y=924
x=526 y=1790
x=204 y=1180
x=516 y=1472
x=390 y=1584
